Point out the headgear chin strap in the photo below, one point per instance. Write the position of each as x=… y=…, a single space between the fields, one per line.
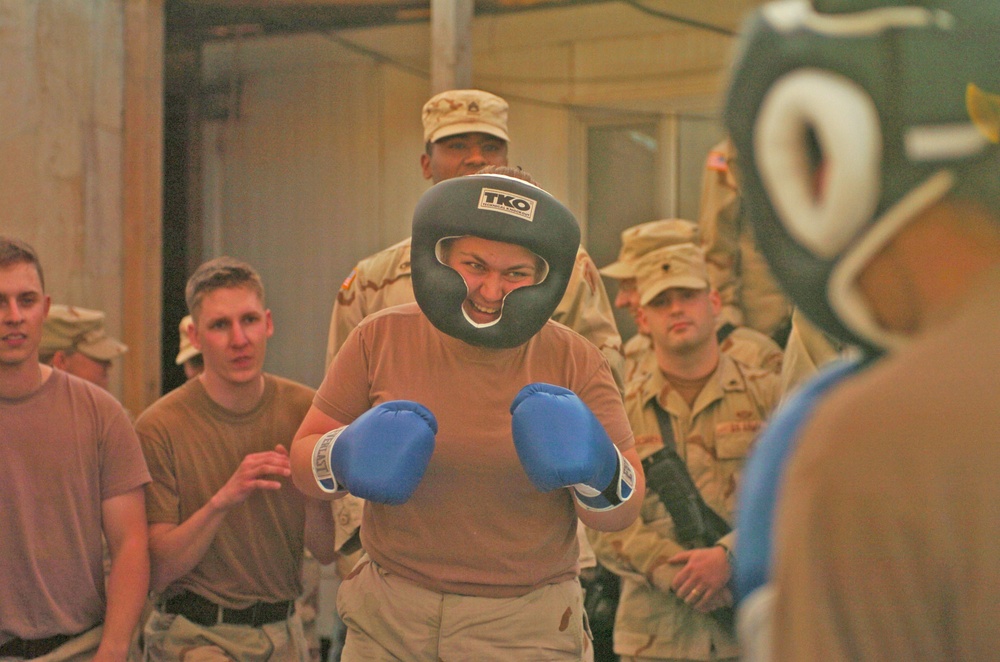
x=849 y=118
x=498 y=208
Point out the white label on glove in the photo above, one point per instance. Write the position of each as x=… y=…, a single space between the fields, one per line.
x=623 y=486
x=321 y=461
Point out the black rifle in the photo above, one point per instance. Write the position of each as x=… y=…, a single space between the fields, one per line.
x=695 y=523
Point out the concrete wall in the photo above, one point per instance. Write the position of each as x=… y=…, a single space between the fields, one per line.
x=73 y=76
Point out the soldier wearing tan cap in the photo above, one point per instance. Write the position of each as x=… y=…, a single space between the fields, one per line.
x=74 y=340
x=188 y=355
x=742 y=343
x=708 y=408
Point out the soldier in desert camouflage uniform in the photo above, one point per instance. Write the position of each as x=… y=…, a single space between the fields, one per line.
x=750 y=295
x=715 y=407
x=744 y=344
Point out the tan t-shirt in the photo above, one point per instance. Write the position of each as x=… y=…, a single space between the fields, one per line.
x=65 y=449
x=193 y=446
x=475 y=525
x=887 y=525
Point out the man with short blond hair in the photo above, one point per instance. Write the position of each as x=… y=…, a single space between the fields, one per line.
x=217 y=450
x=73 y=473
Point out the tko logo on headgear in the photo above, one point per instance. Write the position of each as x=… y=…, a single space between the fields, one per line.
x=507 y=203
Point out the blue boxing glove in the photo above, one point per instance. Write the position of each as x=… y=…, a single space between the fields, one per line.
x=381 y=456
x=561 y=443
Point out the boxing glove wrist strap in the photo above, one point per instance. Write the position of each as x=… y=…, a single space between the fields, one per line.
x=614 y=495
x=321 y=469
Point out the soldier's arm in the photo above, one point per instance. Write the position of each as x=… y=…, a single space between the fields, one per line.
x=719 y=221
x=124 y=525
x=175 y=549
x=638 y=552
x=586 y=308
x=348 y=311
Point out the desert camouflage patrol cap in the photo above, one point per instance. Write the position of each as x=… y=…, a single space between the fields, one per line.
x=81 y=330
x=644 y=238
x=681 y=265
x=464 y=111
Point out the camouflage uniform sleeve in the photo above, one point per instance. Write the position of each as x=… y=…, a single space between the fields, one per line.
x=378 y=281
x=753 y=348
x=808 y=349
x=634 y=552
x=764 y=305
x=348 y=311
x=720 y=230
x=586 y=309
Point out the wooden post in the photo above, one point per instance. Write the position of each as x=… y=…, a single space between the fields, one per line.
x=142 y=200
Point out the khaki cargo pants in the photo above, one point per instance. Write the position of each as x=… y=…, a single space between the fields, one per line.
x=390 y=618
x=173 y=638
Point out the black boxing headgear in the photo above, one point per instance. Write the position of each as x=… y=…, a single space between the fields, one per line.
x=498 y=208
x=849 y=118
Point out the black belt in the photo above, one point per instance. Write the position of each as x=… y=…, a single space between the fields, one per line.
x=203 y=611
x=32 y=648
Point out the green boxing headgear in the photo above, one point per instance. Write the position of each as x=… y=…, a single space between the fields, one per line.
x=498 y=208
x=849 y=118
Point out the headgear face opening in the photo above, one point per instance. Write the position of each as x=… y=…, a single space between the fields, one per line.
x=849 y=118
x=497 y=208
x=538 y=267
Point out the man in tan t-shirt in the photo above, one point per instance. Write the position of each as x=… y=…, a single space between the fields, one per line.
x=227 y=530
x=464 y=131
x=869 y=139
x=479 y=432
x=72 y=475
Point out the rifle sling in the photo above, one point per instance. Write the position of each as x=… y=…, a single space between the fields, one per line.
x=670 y=448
